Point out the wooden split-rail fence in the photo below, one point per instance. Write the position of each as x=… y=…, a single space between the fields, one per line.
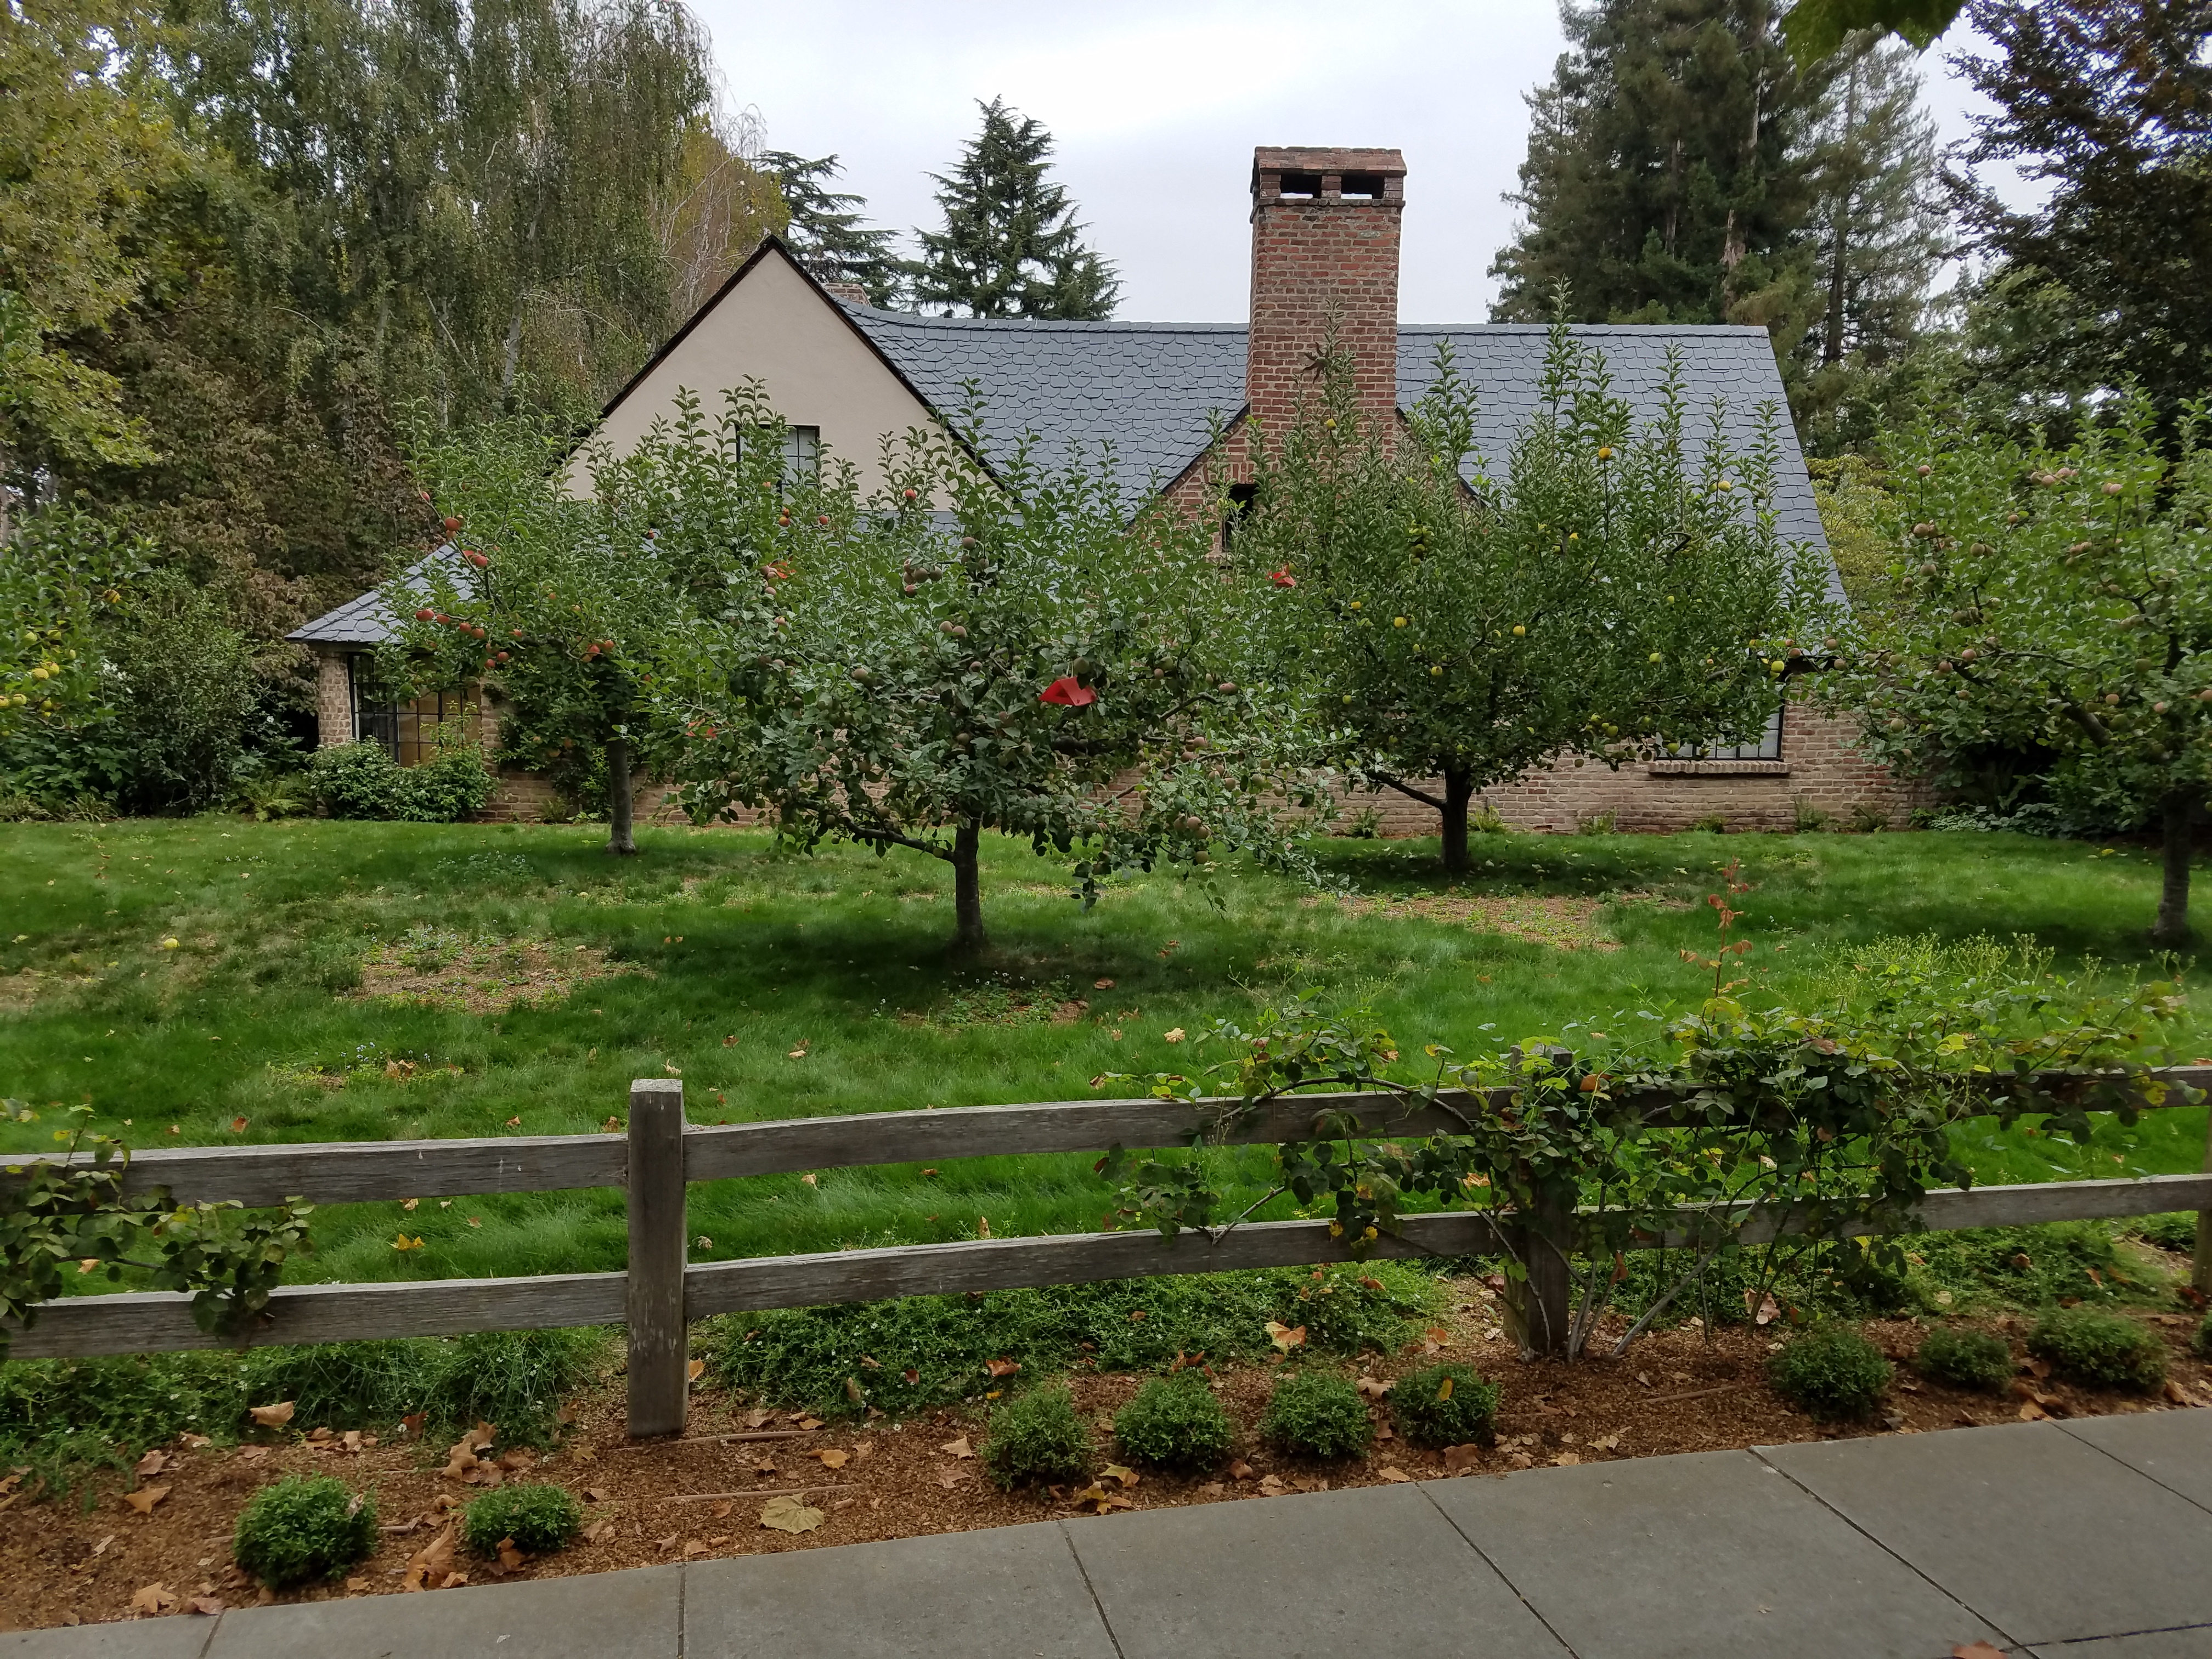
x=660 y=1292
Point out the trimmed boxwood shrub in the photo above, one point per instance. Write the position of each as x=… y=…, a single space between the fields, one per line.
x=1832 y=1373
x=1965 y=1359
x=1037 y=1435
x=1317 y=1414
x=539 y=1516
x=2101 y=1349
x=1174 y=1420
x=363 y=780
x=1446 y=1404
x=304 y=1527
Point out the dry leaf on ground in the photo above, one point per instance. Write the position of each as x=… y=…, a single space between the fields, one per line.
x=433 y=1561
x=1373 y=1388
x=959 y=1448
x=1975 y=1651
x=953 y=1475
x=1285 y=1337
x=789 y=1515
x=830 y=1456
x=152 y=1463
x=1002 y=1367
x=1462 y=1457
x=145 y=1497
x=1391 y=1472
x=211 y=1606
x=272 y=1417
x=153 y=1600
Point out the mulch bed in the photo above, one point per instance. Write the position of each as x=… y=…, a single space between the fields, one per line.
x=83 y=1557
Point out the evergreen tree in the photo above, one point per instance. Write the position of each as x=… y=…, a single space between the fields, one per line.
x=1011 y=245
x=2111 y=102
x=1879 y=234
x=1667 y=179
x=829 y=235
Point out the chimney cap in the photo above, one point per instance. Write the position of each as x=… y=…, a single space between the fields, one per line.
x=1327 y=158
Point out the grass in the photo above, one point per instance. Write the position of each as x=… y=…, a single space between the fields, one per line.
x=720 y=958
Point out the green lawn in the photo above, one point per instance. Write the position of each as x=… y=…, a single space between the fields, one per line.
x=734 y=956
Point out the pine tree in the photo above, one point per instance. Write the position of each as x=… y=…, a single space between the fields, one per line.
x=1879 y=234
x=1011 y=245
x=1667 y=179
x=2111 y=102
x=828 y=235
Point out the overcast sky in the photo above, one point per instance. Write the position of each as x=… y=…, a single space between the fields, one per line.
x=1157 y=104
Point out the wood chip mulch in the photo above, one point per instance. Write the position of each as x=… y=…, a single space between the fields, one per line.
x=84 y=1557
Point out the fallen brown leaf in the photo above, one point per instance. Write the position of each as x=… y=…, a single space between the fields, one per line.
x=145 y=1497
x=1462 y=1457
x=1392 y=1472
x=830 y=1456
x=959 y=1448
x=953 y=1475
x=598 y=1530
x=1975 y=1651
x=1373 y=1388
x=153 y=1600
x=1240 y=1470
x=272 y=1417
x=694 y=1370
x=434 y=1559
x=1285 y=1337
x=1002 y=1367
x=152 y=1463
x=509 y=1557
x=789 y=1515
x=1126 y=1476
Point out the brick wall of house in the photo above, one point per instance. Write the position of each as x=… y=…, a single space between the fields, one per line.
x=1820 y=765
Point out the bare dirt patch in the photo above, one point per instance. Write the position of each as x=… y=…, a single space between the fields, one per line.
x=83 y=1558
x=483 y=976
x=1565 y=922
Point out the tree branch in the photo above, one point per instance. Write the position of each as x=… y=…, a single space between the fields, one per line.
x=1405 y=789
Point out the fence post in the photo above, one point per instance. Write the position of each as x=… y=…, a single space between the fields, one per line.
x=658 y=1350
x=1546 y=1240
x=2200 y=1276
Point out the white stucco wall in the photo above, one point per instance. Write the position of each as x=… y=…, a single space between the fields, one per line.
x=774 y=327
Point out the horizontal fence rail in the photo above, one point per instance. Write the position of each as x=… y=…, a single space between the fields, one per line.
x=660 y=1293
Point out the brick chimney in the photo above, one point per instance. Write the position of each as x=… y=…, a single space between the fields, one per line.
x=1324 y=247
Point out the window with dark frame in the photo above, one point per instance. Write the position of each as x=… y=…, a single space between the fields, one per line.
x=1767 y=747
x=407 y=731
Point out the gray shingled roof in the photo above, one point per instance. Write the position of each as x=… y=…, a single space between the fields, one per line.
x=1151 y=390
x=369 y=620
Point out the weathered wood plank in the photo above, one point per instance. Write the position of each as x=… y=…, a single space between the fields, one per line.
x=367 y=1172
x=787 y=1145
x=150 y=1322
x=658 y=1391
x=994 y=1264
x=362 y=1171
x=719 y=1151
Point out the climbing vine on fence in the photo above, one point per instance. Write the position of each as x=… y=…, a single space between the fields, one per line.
x=69 y=1217
x=1706 y=1131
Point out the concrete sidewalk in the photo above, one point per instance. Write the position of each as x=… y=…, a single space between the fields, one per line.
x=2088 y=1539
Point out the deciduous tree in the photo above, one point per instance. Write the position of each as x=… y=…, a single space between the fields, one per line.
x=1606 y=591
x=2052 y=599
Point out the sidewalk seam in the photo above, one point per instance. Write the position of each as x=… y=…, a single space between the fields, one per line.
x=683 y=1608
x=2145 y=1474
x=1076 y=1555
x=1503 y=1577
x=1759 y=1452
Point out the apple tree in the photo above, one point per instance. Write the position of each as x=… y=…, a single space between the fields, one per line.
x=2056 y=602
x=565 y=578
x=1013 y=651
x=1614 y=590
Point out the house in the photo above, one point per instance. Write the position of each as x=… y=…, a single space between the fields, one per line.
x=1325 y=240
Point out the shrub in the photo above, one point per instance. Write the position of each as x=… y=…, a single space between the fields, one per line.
x=1965 y=1359
x=2201 y=1342
x=1036 y=1436
x=1831 y=1373
x=2176 y=1232
x=513 y=1378
x=1174 y=1420
x=361 y=780
x=1445 y=1405
x=537 y=1516
x=804 y=1356
x=1317 y=1414
x=2101 y=1349
x=303 y=1528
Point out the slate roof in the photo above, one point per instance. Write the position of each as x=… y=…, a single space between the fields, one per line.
x=1151 y=390
x=369 y=620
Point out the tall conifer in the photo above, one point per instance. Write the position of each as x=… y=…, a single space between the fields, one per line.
x=1011 y=245
x=829 y=235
